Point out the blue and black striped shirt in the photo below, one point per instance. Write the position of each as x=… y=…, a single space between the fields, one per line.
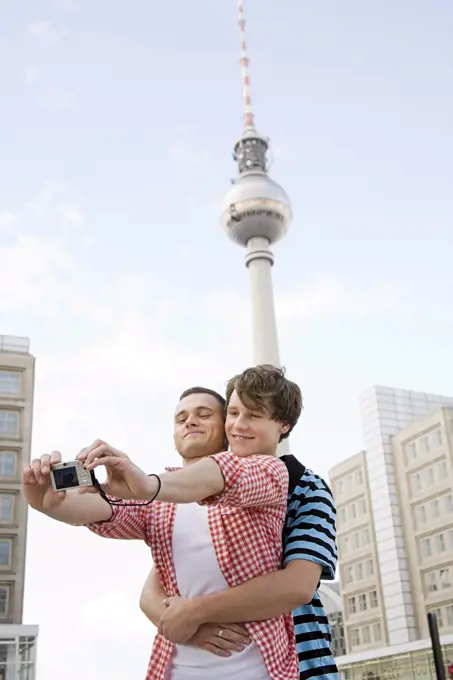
x=310 y=534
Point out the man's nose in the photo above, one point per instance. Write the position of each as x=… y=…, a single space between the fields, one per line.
x=241 y=422
x=192 y=420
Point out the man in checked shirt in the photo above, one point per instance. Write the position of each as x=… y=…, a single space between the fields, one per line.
x=235 y=543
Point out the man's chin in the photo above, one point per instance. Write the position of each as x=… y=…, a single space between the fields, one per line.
x=243 y=452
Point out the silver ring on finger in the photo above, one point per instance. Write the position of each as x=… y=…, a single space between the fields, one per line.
x=220 y=633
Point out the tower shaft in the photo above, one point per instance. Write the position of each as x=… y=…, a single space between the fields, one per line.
x=259 y=261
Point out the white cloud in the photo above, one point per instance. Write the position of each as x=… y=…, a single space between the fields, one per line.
x=8 y=221
x=31 y=75
x=188 y=158
x=68 y=6
x=328 y=298
x=72 y=217
x=28 y=271
x=56 y=99
x=43 y=31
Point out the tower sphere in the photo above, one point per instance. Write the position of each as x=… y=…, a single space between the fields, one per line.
x=255 y=206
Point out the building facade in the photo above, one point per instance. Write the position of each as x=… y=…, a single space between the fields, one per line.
x=395 y=526
x=329 y=594
x=361 y=592
x=423 y=455
x=17 y=368
x=17 y=641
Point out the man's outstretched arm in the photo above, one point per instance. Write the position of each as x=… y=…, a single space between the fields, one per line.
x=118 y=521
x=223 y=478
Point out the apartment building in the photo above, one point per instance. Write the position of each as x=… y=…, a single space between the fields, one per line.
x=363 y=613
x=423 y=455
x=17 y=642
x=393 y=568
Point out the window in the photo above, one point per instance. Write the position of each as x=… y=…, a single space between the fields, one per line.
x=434 y=509
x=9 y=423
x=431 y=581
x=439 y=541
x=10 y=382
x=355 y=541
x=448 y=503
x=352 y=607
x=6 y=507
x=449 y=614
x=425 y=547
x=369 y=567
x=420 y=514
x=377 y=632
x=373 y=599
x=411 y=452
x=348 y=574
x=366 y=637
x=429 y=476
x=359 y=571
x=5 y=552
x=438 y=613
x=362 y=602
x=345 y=544
x=425 y=444
x=444 y=578
x=355 y=637
x=437 y=437
x=442 y=471
x=4 y=601
x=416 y=482
x=366 y=535
x=362 y=507
x=8 y=461
x=353 y=511
x=358 y=478
x=342 y=515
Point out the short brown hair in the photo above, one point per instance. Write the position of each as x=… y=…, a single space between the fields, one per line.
x=265 y=388
x=203 y=390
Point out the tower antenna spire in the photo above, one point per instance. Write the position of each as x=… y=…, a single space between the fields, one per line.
x=256 y=212
x=249 y=118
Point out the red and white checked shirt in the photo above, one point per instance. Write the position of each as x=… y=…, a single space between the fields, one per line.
x=246 y=523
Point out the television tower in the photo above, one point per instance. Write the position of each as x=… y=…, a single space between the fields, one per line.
x=256 y=212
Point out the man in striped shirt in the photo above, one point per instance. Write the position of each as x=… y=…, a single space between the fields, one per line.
x=309 y=554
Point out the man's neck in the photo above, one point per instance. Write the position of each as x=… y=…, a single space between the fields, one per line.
x=190 y=461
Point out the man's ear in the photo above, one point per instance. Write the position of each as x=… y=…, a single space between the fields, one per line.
x=285 y=428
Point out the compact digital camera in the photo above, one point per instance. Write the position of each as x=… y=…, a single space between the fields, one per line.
x=70 y=475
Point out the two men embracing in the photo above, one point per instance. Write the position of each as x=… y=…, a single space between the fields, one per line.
x=240 y=538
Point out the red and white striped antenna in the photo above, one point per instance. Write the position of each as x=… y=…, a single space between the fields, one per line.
x=249 y=119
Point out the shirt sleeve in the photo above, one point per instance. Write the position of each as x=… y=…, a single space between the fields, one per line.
x=311 y=534
x=128 y=522
x=250 y=482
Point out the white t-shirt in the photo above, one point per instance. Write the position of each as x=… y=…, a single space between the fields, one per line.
x=198 y=573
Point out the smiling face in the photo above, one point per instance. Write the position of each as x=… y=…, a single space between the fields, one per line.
x=199 y=426
x=251 y=431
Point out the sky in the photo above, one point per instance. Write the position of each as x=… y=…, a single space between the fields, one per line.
x=117 y=124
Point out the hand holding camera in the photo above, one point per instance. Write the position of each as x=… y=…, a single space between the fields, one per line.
x=46 y=480
x=124 y=479
x=39 y=490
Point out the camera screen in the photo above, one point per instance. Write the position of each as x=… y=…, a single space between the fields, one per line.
x=66 y=477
